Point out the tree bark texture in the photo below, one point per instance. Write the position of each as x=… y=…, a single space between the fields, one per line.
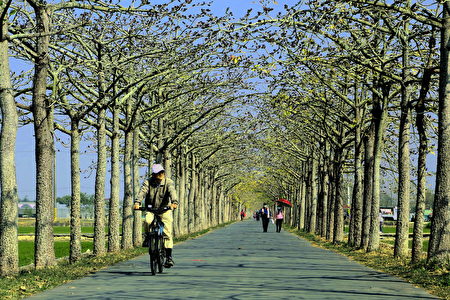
x=421 y=169
x=330 y=202
x=44 y=254
x=368 y=186
x=379 y=115
x=404 y=159
x=355 y=231
x=182 y=207
x=192 y=193
x=127 y=221
x=338 y=232
x=183 y=203
x=324 y=200
x=302 y=204
x=137 y=220
x=9 y=253
x=439 y=245
x=114 y=209
x=75 y=203
x=99 y=206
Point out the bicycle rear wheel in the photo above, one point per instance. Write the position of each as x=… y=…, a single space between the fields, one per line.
x=153 y=253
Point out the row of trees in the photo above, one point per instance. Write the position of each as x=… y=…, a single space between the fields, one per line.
x=171 y=83
x=359 y=88
x=153 y=83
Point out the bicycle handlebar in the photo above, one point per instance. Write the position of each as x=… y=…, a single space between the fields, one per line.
x=157 y=211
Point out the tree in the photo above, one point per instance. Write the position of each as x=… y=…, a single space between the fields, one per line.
x=9 y=255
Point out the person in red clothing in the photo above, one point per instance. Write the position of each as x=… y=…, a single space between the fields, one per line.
x=242 y=215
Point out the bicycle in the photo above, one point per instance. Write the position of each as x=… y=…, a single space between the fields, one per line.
x=155 y=238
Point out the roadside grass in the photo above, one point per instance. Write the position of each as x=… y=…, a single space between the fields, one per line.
x=30 y=222
x=30 y=282
x=436 y=280
x=56 y=230
x=392 y=228
x=26 y=250
x=391 y=241
x=35 y=281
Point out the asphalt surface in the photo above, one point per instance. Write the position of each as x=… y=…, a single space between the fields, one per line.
x=241 y=262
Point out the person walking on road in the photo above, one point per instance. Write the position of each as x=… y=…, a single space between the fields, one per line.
x=242 y=214
x=279 y=218
x=265 y=216
x=381 y=220
x=159 y=191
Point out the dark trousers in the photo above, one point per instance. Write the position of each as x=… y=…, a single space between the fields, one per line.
x=279 y=222
x=265 y=223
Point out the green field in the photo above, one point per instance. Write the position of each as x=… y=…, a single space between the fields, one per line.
x=56 y=229
x=26 y=250
x=391 y=229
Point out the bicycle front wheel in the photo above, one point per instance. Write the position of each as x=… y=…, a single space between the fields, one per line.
x=153 y=251
x=161 y=254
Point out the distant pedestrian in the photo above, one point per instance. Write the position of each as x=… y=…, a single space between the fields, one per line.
x=242 y=214
x=265 y=216
x=279 y=218
x=257 y=215
x=381 y=220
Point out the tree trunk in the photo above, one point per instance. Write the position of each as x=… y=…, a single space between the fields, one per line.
x=199 y=215
x=338 y=232
x=302 y=204
x=9 y=253
x=368 y=186
x=421 y=188
x=214 y=201
x=192 y=195
x=137 y=220
x=355 y=230
x=439 y=246
x=127 y=222
x=182 y=206
x=404 y=160
x=325 y=183
x=221 y=206
x=379 y=114
x=114 y=209
x=99 y=207
x=421 y=169
x=75 y=203
x=44 y=254
x=330 y=202
x=168 y=163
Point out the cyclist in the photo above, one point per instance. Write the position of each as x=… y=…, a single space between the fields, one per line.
x=159 y=191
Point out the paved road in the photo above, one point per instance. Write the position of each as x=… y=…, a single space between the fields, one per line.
x=242 y=262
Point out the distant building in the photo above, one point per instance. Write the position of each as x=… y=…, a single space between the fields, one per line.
x=389 y=213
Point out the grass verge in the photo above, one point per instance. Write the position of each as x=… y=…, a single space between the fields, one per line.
x=31 y=282
x=26 y=250
x=56 y=230
x=435 y=280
